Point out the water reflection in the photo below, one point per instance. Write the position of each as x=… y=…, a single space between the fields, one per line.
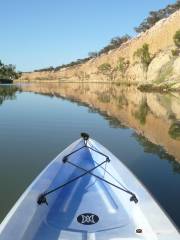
x=142 y=111
x=154 y=116
x=8 y=92
x=174 y=130
x=158 y=150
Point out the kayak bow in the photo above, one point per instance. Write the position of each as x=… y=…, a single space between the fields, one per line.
x=87 y=193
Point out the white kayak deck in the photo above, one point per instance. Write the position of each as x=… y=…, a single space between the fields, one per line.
x=118 y=217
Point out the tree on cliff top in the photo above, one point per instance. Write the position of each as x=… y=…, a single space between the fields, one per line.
x=92 y=54
x=114 y=43
x=155 y=16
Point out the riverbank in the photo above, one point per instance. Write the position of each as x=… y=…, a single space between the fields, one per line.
x=163 y=87
x=6 y=81
x=123 y=64
x=148 y=87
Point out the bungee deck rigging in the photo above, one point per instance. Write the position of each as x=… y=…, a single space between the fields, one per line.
x=42 y=197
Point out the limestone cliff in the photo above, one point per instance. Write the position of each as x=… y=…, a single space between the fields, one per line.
x=163 y=69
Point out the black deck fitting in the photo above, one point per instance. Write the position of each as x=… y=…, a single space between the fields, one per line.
x=64 y=159
x=42 y=199
x=108 y=159
x=134 y=199
x=85 y=136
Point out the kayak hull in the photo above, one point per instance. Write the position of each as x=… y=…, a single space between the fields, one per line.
x=88 y=207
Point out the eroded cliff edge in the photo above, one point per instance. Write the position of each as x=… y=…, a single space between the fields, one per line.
x=163 y=71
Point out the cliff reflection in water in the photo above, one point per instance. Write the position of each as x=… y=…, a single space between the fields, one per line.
x=154 y=116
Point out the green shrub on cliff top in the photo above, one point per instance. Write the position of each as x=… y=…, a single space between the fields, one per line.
x=114 y=43
x=155 y=16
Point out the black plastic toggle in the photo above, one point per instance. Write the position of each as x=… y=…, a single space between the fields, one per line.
x=64 y=159
x=85 y=136
x=134 y=199
x=42 y=199
x=108 y=159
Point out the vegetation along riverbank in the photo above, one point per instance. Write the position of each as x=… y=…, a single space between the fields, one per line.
x=151 y=60
x=8 y=73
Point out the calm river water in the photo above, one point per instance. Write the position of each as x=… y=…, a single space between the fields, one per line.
x=37 y=121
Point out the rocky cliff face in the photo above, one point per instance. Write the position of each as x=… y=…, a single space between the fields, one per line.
x=163 y=69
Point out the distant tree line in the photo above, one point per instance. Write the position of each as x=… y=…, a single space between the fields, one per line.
x=45 y=69
x=8 y=72
x=71 y=64
x=155 y=16
x=116 y=42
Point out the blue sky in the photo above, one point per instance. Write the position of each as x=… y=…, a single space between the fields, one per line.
x=42 y=33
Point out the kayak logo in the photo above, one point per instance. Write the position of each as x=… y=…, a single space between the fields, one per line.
x=87 y=218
